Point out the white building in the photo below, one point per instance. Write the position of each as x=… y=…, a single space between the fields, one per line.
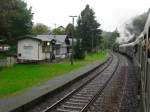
x=3 y=46
x=40 y=47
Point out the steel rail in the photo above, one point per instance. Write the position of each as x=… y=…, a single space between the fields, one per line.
x=56 y=104
x=101 y=89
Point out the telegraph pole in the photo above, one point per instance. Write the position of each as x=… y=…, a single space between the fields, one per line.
x=72 y=40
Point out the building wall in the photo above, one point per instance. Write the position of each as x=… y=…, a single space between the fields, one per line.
x=61 y=53
x=42 y=54
x=29 y=49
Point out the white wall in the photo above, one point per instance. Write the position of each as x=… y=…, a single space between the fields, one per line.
x=28 y=48
x=31 y=49
x=63 y=51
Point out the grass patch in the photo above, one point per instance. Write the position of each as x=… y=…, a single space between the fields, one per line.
x=20 y=77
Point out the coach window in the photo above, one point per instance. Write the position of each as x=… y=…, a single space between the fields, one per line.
x=149 y=42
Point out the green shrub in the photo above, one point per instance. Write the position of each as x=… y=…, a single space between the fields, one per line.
x=79 y=52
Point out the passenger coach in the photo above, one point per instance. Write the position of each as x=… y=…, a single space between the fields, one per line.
x=139 y=52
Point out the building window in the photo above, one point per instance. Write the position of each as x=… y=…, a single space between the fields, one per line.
x=28 y=47
x=28 y=50
x=57 y=49
x=46 y=47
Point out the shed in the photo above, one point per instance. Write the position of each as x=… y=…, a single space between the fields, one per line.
x=40 y=47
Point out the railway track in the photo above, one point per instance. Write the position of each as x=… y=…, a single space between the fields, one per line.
x=80 y=99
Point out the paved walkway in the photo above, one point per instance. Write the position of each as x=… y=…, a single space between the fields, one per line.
x=11 y=103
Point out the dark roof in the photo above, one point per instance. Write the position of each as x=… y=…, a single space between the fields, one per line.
x=47 y=38
x=58 y=38
x=27 y=37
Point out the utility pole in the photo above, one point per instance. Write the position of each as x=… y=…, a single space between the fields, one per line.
x=55 y=25
x=72 y=40
x=92 y=41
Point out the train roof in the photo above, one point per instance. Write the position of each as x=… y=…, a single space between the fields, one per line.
x=139 y=38
x=129 y=44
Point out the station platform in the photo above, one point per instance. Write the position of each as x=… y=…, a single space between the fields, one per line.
x=11 y=103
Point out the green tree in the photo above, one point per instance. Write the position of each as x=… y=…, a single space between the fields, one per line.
x=104 y=43
x=40 y=29
x=78 y=51
x=69 y=29
x=88 y=29
x=15 y=19
x=59 y=31
x=112 y=40
x=109 y=39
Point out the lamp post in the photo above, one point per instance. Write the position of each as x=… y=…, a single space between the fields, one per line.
x=72 y=40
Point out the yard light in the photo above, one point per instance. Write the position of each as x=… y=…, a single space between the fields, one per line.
x=48 y=43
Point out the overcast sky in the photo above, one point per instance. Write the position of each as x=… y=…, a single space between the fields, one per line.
x=110 y=13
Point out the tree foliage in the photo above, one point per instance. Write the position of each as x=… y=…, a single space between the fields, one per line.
x=109 y=39
x=78 y=51
x=114 y=36
x=59 y=31
x=15 y=19
x=40 y=29
x=88 y=29
x=105 y=40
x=69 y=29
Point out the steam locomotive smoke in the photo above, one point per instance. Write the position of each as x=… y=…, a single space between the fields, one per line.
x=133 y=27
x=125 y=34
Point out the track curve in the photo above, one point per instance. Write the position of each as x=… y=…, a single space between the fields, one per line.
x=79 y=99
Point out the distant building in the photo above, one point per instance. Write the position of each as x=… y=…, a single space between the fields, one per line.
x=41 y=47
x=61 y=28
x=4 y=46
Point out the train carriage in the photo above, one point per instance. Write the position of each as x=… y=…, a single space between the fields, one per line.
x=127 y=49
x=145 y=67
x=139 y=51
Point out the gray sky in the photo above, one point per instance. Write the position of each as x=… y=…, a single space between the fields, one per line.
x=110 y=13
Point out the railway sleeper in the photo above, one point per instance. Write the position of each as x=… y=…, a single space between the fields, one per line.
x=74 y=103
x=65 y=110
x=78 y=107
x=79 y=100
x=84 y=95
x=81 y=97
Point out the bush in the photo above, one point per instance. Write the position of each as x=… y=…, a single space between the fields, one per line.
x=12 y=51
x=79 y=52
